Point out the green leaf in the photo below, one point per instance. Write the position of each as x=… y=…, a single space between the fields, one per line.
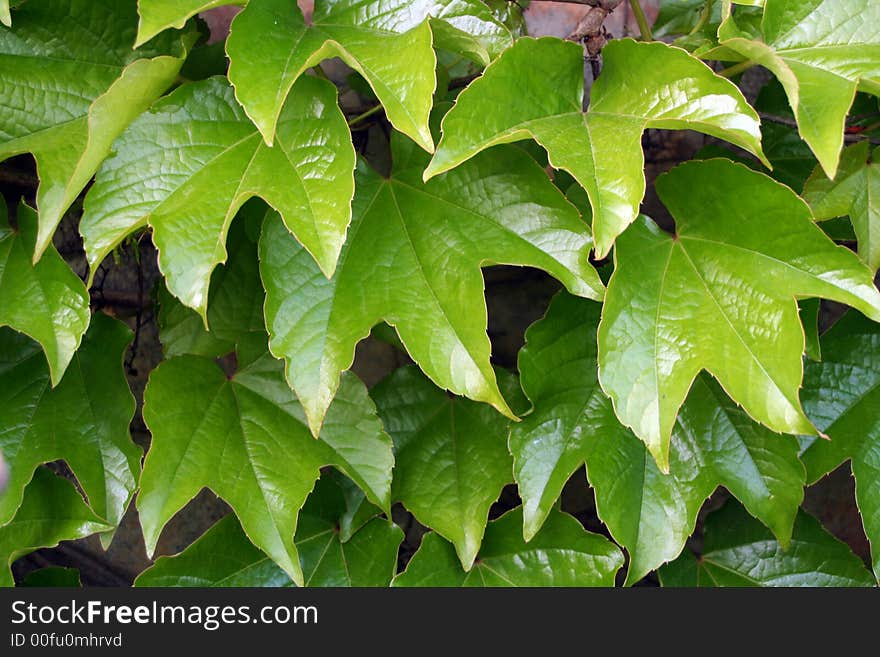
x=809 y=312
x=651 y=514
x=738 y=551
x=562 y=554
x=235 y=299
x=720 y=296
x=535 y=90
x=53 y=577
x=413 y=259
x=158 y=15
x=83 y=420
x=390 y=43
x=70 y=86
x=842 y=396
x=855 y=191
x=52 y=511
x=821 y=51
x=224 y=556
x=46 y=301
x=244 y=437
x=451 y=458
x=188 y=164
x=5 y=16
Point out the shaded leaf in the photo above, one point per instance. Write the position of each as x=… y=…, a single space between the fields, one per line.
x=188 y=164
x=855 y=191
x=842 y=397
x=413 y=259
x=56 y=310
x=224 y=556
x=451 y=458
x=720 y=296
x=70 y=83
x=562 y=554
x=51 y=511
x=535 y=90
x=651 y=514
x=53 y=577
x=244 y=437
x=83 y=420
x=738 y=551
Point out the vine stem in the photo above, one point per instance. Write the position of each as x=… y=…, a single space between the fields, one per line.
x=364 y=115
x=642 y=20
x=730 y=71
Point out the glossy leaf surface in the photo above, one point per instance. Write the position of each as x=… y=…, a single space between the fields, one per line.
x=535 y=90
x=83 y=420
x=821 y=51
x=739 y=551
x=720 y=296
x=52 y=511
x=451 y=458
x=651 y=514
x=842 y=396
x=413 y=259
x=57 y=312
x=70 y=86
x=187 y=166
x=562 y=554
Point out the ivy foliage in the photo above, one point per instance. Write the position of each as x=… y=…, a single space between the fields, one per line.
x=296 y=210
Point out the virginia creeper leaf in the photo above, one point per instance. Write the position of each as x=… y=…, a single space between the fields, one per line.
x=413 y=259
x=224 y=556
x=83 y=420
x=562 y=554
x=244 y=437
x=235 y=299
x=46 y=301
x=188 y=164
x=388 y=42
x=738 y=551
x=451 y=458
x=719 y=295
x=855 y=191
x=535 y=90
x=70 y=86
x=651 y=514
x=158 y=15
x=842 y=396
x=821 y=51
x=51 y=511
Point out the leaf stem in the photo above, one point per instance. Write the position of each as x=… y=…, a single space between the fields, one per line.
x=642 y=20
x=364 y=115
x=736 y=69
x=705 y=15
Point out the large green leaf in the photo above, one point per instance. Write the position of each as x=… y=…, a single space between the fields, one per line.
x=244 y=436
x=821 y=51
x=389 y=42
x=451 y=458
x=719 y=295
x=52 y=511
x=651 y=514
x=224 y=556
x=46 y=301
x=413 y=259
x=158 y=15
x=855 y=191
x=738 y=551
x=842 y=396
x=562 y=554
x=535 y=90
x=70 y=83
x=83 y=420
x=190 y=163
